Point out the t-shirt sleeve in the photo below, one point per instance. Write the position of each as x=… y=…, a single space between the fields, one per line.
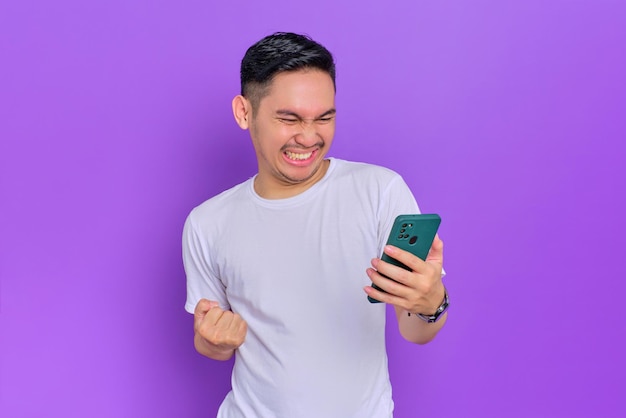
x=202 y=282
x=396 y=199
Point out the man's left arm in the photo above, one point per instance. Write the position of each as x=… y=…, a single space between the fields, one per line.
x=419 y=291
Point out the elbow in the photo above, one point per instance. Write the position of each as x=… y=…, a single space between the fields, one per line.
x=419 y=339
x=421 y=332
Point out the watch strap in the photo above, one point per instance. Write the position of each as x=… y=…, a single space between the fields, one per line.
x=439 y=312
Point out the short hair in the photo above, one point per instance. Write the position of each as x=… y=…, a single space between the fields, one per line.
x=277 y=53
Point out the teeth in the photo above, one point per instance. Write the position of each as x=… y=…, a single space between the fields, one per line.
x=296 y=156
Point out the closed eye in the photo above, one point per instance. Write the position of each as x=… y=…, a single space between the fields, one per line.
x=288 y=121
x=325 y=120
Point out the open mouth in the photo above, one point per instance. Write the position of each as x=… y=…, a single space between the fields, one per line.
x=298 y=156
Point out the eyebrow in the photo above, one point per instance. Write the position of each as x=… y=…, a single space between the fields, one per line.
x=284 y=112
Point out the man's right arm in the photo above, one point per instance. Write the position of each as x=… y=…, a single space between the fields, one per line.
x=217 y=333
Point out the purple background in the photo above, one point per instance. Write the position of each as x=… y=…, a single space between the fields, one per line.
x=506 y=117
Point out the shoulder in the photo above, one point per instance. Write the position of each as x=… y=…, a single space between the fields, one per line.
x=365 y=174
x=219 y=206
x=351 y=168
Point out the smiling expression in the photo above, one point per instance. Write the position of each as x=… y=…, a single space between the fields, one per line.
x=292 y=130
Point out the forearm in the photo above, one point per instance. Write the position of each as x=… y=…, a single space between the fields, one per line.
x=210 y=350
x=416 y=330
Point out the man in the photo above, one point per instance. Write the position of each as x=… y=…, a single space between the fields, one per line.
x=276 y=266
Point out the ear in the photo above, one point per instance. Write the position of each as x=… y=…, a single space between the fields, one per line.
x=242 y=110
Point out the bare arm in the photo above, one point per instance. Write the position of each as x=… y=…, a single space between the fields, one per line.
x=416 y=330
x=217 y=333
x=418 y=291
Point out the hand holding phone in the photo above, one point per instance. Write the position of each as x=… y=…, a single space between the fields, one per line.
x=412 y=233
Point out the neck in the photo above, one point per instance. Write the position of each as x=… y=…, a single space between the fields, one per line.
x=269 y=188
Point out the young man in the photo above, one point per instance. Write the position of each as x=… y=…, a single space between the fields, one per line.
x=277 y=266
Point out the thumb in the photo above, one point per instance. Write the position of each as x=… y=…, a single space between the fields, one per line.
x=204 y=306
x=435 y=255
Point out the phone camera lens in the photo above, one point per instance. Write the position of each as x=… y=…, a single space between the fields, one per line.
x=402 y=230
x=403 y=225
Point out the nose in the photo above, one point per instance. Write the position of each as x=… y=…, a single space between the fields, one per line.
x=308 y=135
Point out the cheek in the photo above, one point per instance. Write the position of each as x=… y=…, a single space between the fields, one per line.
x=269 y=134
x=273 y=139
x=327 y=131
x=285 y=131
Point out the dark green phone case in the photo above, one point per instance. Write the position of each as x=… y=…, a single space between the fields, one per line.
x=413 y=233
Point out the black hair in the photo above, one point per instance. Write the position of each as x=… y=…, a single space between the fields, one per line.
x=280 y=52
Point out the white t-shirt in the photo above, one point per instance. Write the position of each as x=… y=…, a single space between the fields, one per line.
x=294 y=269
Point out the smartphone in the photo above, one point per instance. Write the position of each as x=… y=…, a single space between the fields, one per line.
x=413 y=233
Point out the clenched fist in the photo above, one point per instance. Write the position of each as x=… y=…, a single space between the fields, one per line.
x=217 y=333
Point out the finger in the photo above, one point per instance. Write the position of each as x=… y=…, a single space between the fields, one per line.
x=387 y=284
x=243 y=328
x=435 y=255
x=391 y=271
x=231 y=322
x=227 y=320
x=382 y=296
x=214 y=315
x=239 y=327
x=408 y=259
x=202 y=307
x=232 y=328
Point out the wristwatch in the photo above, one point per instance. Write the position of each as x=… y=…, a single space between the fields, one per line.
x=439 y=312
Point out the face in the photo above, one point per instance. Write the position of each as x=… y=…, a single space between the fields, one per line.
x=292 y=130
